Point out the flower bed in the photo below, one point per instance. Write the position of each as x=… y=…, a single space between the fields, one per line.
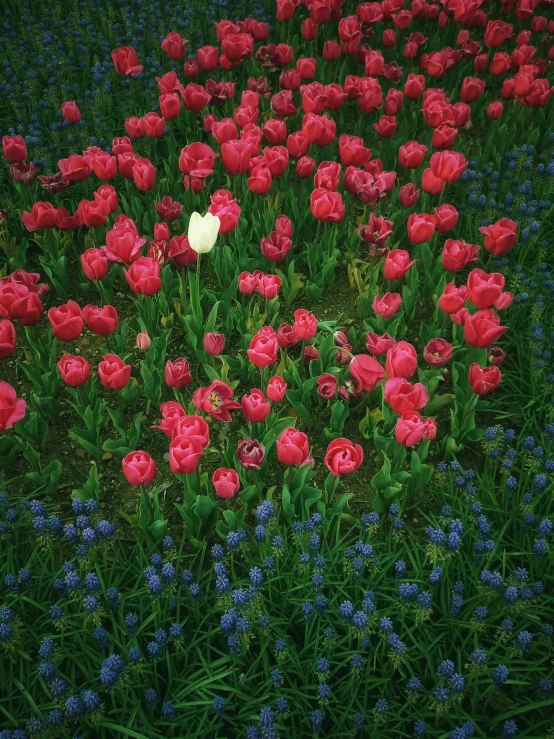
x=275 y=390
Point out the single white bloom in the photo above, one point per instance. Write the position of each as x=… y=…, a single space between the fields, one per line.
x=203 y=232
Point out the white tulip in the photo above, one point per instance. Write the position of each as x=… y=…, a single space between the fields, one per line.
x=203 y=231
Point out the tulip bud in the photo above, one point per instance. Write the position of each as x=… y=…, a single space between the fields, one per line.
x=226 y=482
x=214 y=343
x=143 y=341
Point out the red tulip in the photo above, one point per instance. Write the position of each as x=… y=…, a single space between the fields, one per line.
x=411 y=154
x=184 y=455
x=101 y=321
x=471 y=89
x=276 y=388
x=224 y=130
x=431 y=184
x=387 y=305
x=143 y=276
x=195 y=97
x=495 y=110
x=496 y=356
x=143 y=341
x=75 y=168
x=236 y=155
x=504 y=301
x=286 y=336
x=352 y=151
x=414 y=86
x=193 y=427
x=446 y=218
x=23 y=172
x=226 y=208
x=269 y=286
x=309 y=29
x=216 y=400
x=305 y=324
x=237 y=46
x=500 y=236
x=107 y=195
x=448 y=165
x=174 y=46
x=255 y=407
x=297 y=144
x=191 y=68
x=484 y=380
x=8 y=338
x=283 y=226
x=397 y=264
x=444 y=136
x=161 y=232
x=263 y=348
x=180 y=251
x=214 y=343
x=71 y=112
x=401 y=360
x=169 y=210
x=14 y=148
x=134 y=127
x=113 y=372
x=421 y=227
x=437 y=352
x=331 y=51
x=386 y=126
x=484 y=289
x=248 y=282
x=457 y=254
x=402 y=396
x=411 y=429
x=74 y=371
x=172 y=412
x=208 y=57
x=277 y=159
x=125 y=61
x=43 y=215
x=307 y=67
x=94 y=264
x=483 y=328
x=378 y=345
x=328 y=176
x=170 y=108
x=66 y=321
x=497 y=32
x=177 y=373
x=126 y=162
x=250 y=454
x=452 y=298
x=393 y=101
x=144 y=174
x=293 y=447
x=367 y=371
x=327 y=206
x=343 y=457
x=408 y=195
x=304 y=168
x=12 y=408
x=123 y=244
x=226 y=482
x=197 y=157
x=327 y=387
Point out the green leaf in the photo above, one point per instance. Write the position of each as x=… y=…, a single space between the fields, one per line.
x=382 y=479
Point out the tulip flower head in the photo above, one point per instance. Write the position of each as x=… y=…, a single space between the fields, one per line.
x=203 y=231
